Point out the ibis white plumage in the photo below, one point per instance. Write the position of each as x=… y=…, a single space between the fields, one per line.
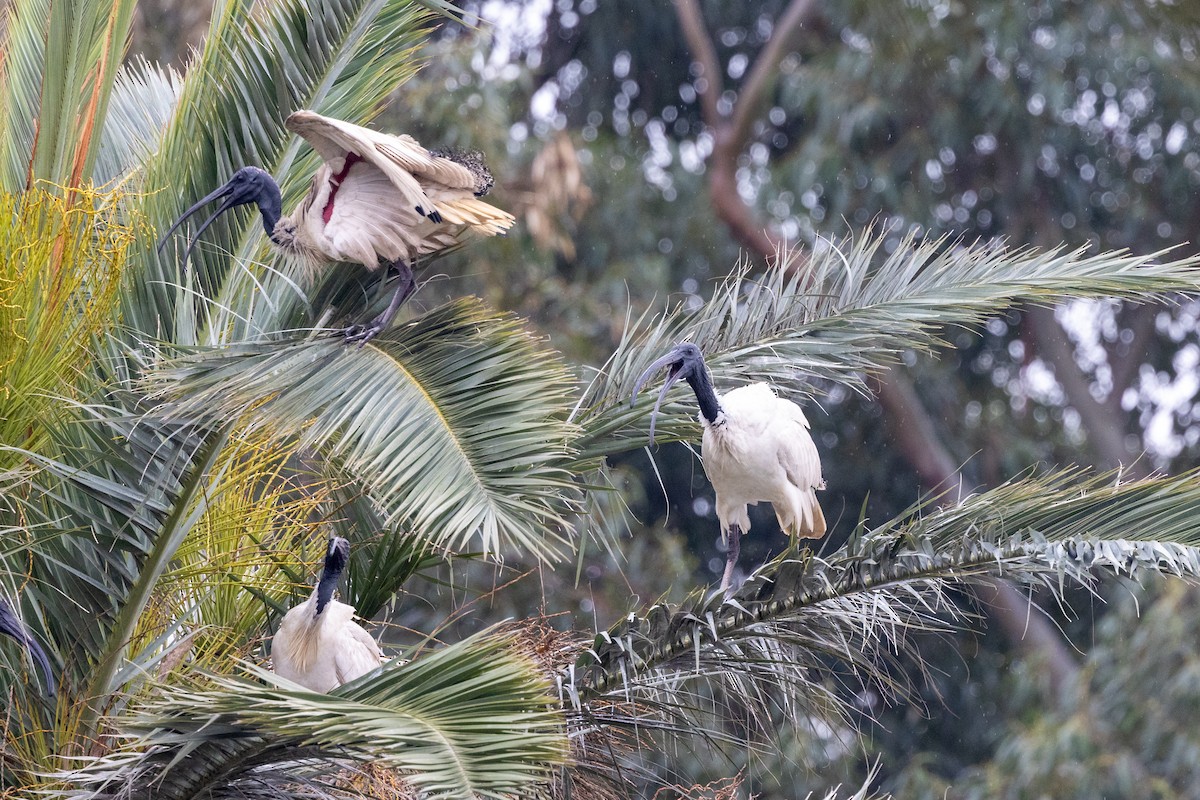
x=318 y=644
x=378 y=200
x=756 y=447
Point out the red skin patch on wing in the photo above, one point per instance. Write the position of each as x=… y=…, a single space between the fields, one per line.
x=336 y=182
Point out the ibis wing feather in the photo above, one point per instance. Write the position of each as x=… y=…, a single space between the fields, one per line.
x=396 y=202
x=366 y=223
x=327 y=136
x=482 y=217
x=359 y=654
x=393 y=154
x=800 y=514
x=797 y=452
x=333 y=139
x=409 y=154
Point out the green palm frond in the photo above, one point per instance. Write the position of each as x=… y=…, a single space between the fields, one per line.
x=247 y=557
x=60 y=266
x=454 y=423
x=474 y=719
x=798 y=622
x=143 y=99
x=1072 y=504
x=183 y=493
x=849 y=312
x=389 y=553
x=339 y=57
x=57 y=77
x=24 y=49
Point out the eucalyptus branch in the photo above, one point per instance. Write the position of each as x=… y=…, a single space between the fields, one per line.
x=691 y=20
x=765 y=70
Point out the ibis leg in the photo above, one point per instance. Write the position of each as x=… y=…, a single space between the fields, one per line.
x=733 y=541
x=405 y=286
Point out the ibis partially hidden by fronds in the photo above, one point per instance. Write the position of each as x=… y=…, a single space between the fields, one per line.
x=378 y=200
x=318 y=644
x=11 y=626
x=756 y=447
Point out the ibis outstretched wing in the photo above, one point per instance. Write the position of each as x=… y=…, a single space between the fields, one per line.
x=400 y=157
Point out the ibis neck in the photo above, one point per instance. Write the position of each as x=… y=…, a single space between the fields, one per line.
x=706 y=396
x=325 y=587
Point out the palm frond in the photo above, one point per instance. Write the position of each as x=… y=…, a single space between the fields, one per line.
x=24 y=52
x=389 y=553
x=246 y=558
x=470 y=720
x=454 y=422
x=1073 y=504
x=850 y=312
x=143 y=99
x=58 y=73
x=801 y=626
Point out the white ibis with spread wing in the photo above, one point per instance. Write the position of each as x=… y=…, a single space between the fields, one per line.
x=756 y=447
x=378 y=200
x=318 y=644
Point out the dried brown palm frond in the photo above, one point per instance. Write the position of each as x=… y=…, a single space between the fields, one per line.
x=557 y=196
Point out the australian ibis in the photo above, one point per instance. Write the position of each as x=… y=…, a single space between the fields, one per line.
x=318 y=644
x=11 y=626
x=756 y=447
x=379 y=200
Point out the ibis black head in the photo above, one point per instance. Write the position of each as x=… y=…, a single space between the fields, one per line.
x=684 y=362
x=11 y=626
x=336 y=558
x=248 y=185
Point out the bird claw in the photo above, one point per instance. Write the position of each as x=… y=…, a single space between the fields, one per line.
x=361 y=334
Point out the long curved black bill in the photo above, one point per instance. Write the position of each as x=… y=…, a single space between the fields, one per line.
x=670 y=359
x=10 y=625
x=236 y=196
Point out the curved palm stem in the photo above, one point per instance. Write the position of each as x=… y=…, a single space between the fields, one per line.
x=799 y=618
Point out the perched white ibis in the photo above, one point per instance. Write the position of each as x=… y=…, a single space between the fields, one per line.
x=378 y=200
x=318 y=644
x=756 y=447
x=11 y=626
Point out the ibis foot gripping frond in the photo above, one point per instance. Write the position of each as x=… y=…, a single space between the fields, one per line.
x=361 y=334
